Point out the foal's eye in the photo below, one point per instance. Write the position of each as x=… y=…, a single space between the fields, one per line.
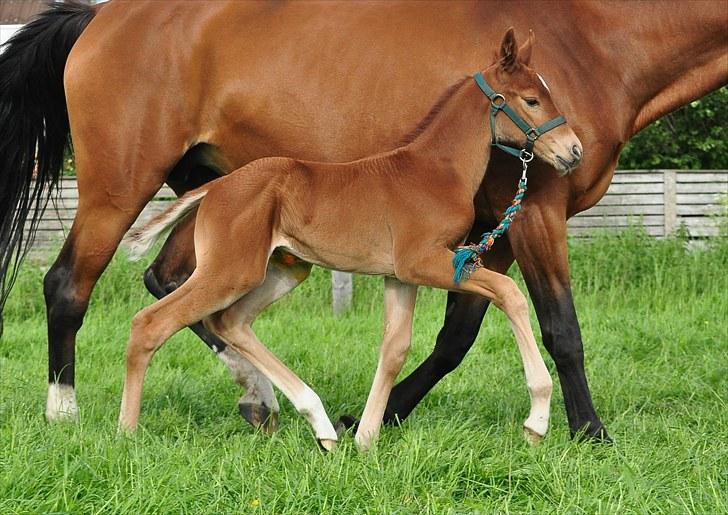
x=532 y=102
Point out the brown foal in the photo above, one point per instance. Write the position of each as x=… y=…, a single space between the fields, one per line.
x=398 y=214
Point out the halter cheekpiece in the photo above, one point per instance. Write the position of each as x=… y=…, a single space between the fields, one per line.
x=468 y=258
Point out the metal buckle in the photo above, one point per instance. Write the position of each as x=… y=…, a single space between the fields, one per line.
x=532 y=134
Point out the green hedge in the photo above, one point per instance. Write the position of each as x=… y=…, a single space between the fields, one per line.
x=695 y=137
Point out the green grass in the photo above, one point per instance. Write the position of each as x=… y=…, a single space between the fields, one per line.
x=654 y=318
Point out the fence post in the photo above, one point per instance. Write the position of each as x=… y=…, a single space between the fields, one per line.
x=670 y=201
x=342 y=288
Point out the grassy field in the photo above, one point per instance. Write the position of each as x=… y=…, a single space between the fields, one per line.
x=654 y=319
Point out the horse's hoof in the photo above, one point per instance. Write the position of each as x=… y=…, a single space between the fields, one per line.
x=259 y=416
x=532 y=437
x=62 y=417
x=346 y=423
x=326 y=444
x=596 y=434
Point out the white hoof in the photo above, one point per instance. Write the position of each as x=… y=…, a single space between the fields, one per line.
x=327 y=444
x=531 y=436
x=364 y=442
x=61 y=405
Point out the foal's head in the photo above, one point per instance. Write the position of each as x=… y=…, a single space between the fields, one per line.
x=527 y=94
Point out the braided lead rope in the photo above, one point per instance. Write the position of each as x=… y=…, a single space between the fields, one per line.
x=469 y=258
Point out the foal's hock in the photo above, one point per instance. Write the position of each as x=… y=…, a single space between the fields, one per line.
x=398 y=214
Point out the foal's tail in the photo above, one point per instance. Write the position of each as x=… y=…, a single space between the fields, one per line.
x=139 y=241
x=33 y=127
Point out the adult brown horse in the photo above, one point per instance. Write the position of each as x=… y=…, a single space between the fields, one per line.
x=181 y=91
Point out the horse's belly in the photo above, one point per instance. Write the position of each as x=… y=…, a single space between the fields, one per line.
x=346 y=257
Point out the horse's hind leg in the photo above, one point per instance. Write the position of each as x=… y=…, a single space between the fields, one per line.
x=172 y=267
x=233 y=326
x=100 y=222
x=399 y=305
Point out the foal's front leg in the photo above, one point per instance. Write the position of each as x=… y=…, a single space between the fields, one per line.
x=435 y=269
x=399 y=305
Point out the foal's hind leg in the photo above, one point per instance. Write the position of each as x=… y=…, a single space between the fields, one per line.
x=172 y=267
x=207 y=291
x=436 y=270
x=233 y=326
x=399 y=305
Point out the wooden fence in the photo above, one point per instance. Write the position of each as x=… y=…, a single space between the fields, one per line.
x=661 y=200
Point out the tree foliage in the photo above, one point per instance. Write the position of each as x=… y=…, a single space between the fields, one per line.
x=693 y=137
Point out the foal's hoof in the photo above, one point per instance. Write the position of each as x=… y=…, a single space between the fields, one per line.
x=326 y=444
x=259 y=416
x=532 y=437
x=346 y=423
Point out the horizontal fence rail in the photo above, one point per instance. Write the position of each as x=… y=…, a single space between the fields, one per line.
x=660 y=200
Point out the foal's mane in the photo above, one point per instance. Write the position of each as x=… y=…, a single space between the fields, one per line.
x=430 y=116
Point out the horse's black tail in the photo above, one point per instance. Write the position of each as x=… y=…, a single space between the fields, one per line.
x=34 y=130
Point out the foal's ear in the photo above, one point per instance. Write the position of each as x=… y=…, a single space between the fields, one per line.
x=509 y=51
x=524 y=53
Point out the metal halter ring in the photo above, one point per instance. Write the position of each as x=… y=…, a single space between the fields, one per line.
x=532 y=134
x=525 y=156
x=500 y=104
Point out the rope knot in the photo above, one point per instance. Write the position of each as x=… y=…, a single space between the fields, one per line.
x=468 y=258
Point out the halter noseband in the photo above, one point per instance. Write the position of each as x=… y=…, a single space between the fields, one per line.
x=498 y=103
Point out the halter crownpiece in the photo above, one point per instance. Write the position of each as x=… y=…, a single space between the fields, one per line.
x=468 y=258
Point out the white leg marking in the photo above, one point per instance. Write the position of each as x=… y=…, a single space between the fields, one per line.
x=299 y=393
x=61 y=404
x=538 y=380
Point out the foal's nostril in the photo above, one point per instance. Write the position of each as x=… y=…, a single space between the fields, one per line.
x=576 y=151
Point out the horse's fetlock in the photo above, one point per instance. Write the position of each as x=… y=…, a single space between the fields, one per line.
x=309 y=403
x=542 y=388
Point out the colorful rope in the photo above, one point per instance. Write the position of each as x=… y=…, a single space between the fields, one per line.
x=468 y=258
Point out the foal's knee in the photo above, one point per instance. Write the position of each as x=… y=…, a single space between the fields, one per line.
x=541 y=387
x=511 y=299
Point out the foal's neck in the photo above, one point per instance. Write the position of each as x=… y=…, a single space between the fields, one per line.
x=457 y=140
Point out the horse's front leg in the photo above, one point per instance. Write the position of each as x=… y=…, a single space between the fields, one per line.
x=539 y=244
x=171 y=268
